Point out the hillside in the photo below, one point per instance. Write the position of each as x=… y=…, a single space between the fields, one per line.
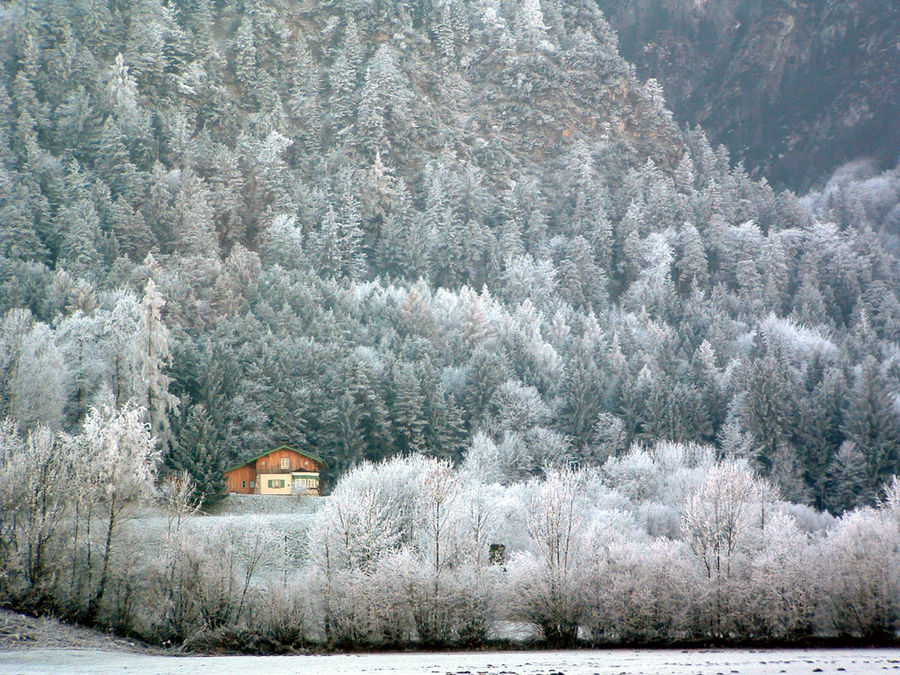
x=464 y=228
x=794 y=89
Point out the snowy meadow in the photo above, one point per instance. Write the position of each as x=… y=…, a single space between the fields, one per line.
x=619 y=662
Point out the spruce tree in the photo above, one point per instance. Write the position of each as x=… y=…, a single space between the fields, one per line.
x=872 y=425
x=409 y=410
x=847 y=480
x=198 y=449
x=153 y=359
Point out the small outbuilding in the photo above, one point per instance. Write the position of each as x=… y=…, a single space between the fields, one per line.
x=282 y=471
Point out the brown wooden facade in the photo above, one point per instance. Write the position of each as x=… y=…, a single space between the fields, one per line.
x=275 y=472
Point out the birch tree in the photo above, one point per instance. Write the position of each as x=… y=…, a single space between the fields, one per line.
x=546 y=582
x=717 y=522
x=437 y=519
x=120 y=459
x=39 y=387
x=33 y=503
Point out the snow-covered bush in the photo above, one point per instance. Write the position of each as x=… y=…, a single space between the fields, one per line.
x=642 y=592
x=860 y=568
x=783 y=581
x=546 y=581
x=721 y=524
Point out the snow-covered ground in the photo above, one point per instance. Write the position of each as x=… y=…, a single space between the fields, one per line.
x=288 y=517
x=619 y=662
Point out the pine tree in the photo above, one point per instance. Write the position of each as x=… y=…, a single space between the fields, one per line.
x=145 y=43
x=133 y=236
x=326 y=245
x=530 y=20
x=245 y=53
x=226 y=186
x=583 y=387
x=445 y=433
x=79 y=226
x=819 y=426
x=692 y=265
x=847 y=482
x=769 y=409
x=486 y=370
x=344 y=74
x=370 y=121
x=305 y=103
x=196 y=234
x=198 y=449
x=409 y=410
x=153 y=358
x=114 y=163
x=374 y=421
x=7 y=158
x=809 y=306
x=19 y=236
x=684 y=174
x=346 y=424
x=872 y=425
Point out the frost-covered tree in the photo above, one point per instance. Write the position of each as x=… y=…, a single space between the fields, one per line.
x=861 y=576
x=546 y=583
x=118 y=463
x=152 y=358
x=783 y=580
x=872 y=423
x=40 y=381
x=35 y=504
x=197 y=452
x=79 y=342
x=437 y=523
x=719 y=521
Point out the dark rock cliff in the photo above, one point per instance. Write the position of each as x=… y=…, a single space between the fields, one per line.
x=793 y=87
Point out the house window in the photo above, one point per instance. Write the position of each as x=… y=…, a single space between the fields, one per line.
x=285 y=463
x=253 y=483
x=276 y=482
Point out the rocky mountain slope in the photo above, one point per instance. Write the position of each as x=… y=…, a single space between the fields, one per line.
x=794 y=88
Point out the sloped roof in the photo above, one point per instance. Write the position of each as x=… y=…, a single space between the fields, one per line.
x=318 y=460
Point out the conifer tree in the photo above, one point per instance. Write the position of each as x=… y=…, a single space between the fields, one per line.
x=847 y=486
x=872 y=425
x=153 y=358
x=409 y=410
x=245 y=52
x=198 y=450
x=79 y=226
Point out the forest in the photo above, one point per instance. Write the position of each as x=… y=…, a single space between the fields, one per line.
x=418 y=237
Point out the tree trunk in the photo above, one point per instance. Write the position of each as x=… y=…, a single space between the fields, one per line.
x=94 y=606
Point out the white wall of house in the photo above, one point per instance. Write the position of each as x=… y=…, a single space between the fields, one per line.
x=274 y=483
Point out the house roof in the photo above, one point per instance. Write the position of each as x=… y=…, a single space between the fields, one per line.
x=315 y=458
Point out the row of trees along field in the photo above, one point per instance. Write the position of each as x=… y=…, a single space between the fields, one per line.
x=660 y=545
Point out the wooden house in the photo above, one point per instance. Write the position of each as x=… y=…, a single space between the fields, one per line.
x=281 y=471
